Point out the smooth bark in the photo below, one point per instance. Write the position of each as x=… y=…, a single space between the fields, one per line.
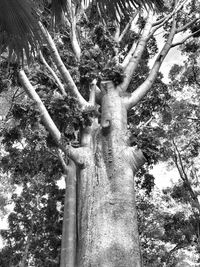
x=107 y=220
x=68 y=246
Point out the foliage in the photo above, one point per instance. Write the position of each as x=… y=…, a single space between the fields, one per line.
x=164 y=229
x=180 y=146
x=35 y=223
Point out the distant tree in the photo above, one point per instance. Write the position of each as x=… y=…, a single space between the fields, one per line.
x=181 y=148
x=35 y=224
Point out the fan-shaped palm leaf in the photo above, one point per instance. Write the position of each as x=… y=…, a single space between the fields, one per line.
x=122 y=6
x=112 y=7
x=19 y=30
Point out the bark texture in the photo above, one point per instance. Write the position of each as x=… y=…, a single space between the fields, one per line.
x=107 y=228
x=68 y=246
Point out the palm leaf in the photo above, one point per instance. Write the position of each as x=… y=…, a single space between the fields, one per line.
x=122 y=7
x=19 y=29
x=109 y=7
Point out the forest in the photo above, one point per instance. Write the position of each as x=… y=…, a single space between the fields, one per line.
x=87 y=114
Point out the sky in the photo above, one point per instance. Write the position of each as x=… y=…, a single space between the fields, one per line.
x=164 y=176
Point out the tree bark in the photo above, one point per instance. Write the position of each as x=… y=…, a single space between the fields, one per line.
x=107 y=219
x=68 y=246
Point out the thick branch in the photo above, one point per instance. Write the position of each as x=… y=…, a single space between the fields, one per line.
x=141 y=91
x=126 y=60
x=74 y=40
x=133 y=59
x=186 y=26
x=117 y=31
x=185 y=39
x=127 y=27
x=60 y=85
x=71 y=152
x=92 y=92
x=47 y=120
x=62 y=69
x=162 y=21
x=71 y=12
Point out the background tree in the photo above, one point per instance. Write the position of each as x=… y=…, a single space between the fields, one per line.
x=180 y=140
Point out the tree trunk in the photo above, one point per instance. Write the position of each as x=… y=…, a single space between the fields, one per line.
x=107 y=219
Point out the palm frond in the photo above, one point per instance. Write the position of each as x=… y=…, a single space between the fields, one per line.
x=108 y=7
x=122 y=7
x=19 y=29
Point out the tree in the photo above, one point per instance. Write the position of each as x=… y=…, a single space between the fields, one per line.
x=180 y=139
x=100 y=74
x=181 y=148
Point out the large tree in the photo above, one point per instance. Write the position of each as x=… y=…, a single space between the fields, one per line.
x=99 y=76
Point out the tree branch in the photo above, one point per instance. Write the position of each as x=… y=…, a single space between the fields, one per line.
x=92 y=92
x=127 y=27
x=62 y=69
x=71 y=152
x=184 y=176
x=117 y=31
x=132 y=59
x=185 y=39
x=187 y=25
x=73 y=35
x=141 y=91
x=60 y=85
x=161 y=22
x=72 y=11
x=47 y=120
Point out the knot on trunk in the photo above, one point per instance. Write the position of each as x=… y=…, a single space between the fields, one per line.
x=105 y=124
x=106 y=86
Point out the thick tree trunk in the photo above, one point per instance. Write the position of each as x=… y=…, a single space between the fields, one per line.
x=107 y=220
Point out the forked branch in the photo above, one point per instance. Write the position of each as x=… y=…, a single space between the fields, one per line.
x=62 y=69
x=132 y=59
x=139 y=93
x=59 y=83
x=185 y=39
x=46 y=119
x=71 y=152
